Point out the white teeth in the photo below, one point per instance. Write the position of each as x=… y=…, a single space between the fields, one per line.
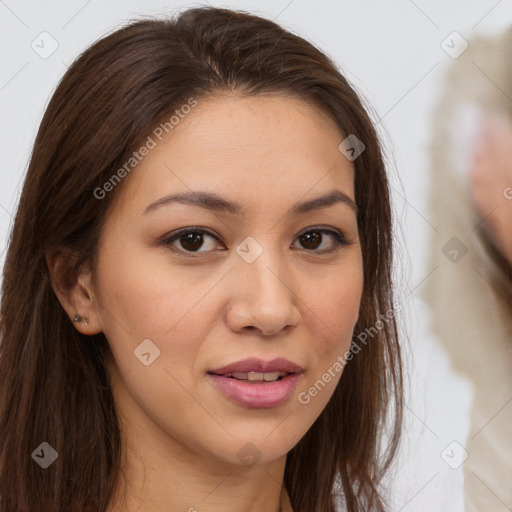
x=258 y=376
x=238 y=375
x=271 y=376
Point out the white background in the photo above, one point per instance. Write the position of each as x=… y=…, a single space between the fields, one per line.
x=391 y=51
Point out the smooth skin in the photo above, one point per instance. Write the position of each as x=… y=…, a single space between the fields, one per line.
x=208 y=308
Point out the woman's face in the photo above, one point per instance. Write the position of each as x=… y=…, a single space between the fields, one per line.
x=261 y=280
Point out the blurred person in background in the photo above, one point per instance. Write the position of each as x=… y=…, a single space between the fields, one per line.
x=470 y=288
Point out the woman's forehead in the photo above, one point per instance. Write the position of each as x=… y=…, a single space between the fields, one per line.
x=233 y=149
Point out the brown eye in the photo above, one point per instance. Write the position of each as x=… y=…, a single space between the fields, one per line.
x=311 y=240
x=190 y=240
x=314 y=238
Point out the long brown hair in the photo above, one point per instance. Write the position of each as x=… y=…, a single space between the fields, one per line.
x=54 y=386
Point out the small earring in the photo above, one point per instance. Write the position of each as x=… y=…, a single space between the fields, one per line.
x=78 y=319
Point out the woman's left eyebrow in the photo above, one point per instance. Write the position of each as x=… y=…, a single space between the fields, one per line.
x=214 y=202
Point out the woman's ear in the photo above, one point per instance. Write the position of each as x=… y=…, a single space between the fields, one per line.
x=74 y=290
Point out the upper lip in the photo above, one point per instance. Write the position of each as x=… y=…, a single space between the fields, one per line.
x=258 y=365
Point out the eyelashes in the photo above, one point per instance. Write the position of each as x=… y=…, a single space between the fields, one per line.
x=192 y=239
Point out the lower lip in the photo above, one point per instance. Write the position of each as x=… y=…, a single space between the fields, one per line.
x=264 y=395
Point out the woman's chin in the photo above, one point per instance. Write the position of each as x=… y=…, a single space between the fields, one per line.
x=245 y=450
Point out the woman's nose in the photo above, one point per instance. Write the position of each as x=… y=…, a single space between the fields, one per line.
x=264 y=297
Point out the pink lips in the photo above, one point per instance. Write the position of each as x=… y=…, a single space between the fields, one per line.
x=256 y=394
